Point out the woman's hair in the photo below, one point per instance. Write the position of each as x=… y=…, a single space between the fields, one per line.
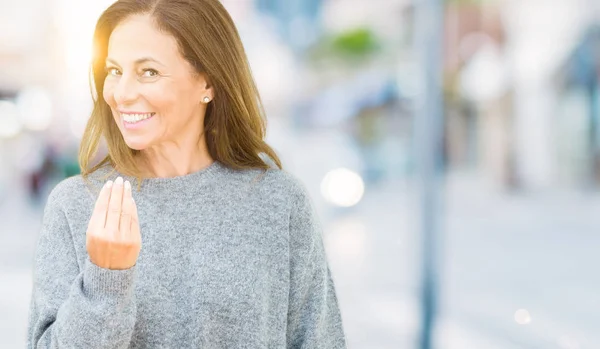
x=234 y=124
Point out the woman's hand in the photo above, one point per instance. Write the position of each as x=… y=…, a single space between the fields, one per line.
x=113 y=237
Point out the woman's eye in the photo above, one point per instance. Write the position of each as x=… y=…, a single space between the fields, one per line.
x=113 y=71
x=150 y=73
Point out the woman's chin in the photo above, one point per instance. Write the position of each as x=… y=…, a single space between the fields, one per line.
x=136 y=144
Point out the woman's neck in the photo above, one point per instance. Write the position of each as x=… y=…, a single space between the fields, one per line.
x=174 y=162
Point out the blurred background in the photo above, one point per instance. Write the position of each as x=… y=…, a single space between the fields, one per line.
x=517 y=207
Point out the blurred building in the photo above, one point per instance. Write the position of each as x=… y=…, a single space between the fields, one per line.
x=297 y=21
x=578 y=83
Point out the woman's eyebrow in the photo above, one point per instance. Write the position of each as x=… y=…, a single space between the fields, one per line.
x=137 y=61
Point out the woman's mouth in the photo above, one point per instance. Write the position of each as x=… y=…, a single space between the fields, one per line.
x=133 y=121
x=135 y=118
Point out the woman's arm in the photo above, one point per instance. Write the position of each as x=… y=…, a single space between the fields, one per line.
x=72 y=308
x=314 y=319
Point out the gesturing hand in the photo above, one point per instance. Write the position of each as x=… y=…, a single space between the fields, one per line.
x=113 y=238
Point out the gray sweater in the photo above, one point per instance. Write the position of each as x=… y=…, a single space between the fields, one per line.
x=229 y=259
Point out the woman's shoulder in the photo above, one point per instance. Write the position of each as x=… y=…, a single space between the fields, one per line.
x=76 y=189
x=273 y=178
x=284 y=180
x=274 y=182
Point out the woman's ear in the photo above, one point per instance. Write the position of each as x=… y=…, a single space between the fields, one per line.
x=206 y=91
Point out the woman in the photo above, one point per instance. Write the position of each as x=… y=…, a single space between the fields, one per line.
x=232 y=256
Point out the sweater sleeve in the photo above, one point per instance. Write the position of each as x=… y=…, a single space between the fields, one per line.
x=73 y=308
x=314 y=319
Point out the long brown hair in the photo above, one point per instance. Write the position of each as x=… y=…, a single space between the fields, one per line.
x=234 y=123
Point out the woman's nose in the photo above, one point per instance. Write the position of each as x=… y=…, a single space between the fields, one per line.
x=126 y=90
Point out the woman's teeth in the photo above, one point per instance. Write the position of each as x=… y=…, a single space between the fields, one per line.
x=132 y=118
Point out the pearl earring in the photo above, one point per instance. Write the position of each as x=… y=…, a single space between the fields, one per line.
x=206 y=99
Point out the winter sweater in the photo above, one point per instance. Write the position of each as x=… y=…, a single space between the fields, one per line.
x=229 y=259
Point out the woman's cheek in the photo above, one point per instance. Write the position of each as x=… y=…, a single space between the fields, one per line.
x=108 y=94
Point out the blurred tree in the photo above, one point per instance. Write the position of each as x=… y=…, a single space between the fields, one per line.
x=354 y=46
x=357 y=42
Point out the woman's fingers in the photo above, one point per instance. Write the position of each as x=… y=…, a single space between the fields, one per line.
x=115 y=203
x=126 y=212
x=113 y=240
x=98 y=219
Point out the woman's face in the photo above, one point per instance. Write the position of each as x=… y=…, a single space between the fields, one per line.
x=152 y=90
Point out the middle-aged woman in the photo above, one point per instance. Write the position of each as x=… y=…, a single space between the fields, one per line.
x=187 y=234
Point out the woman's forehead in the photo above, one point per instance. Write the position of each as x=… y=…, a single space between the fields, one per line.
x=137 y=39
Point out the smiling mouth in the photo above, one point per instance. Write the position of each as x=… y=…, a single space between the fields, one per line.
x=135 y=118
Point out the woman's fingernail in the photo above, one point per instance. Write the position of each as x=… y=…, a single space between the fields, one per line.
x=127 y=186
x=119 y=181
x=108 y=184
